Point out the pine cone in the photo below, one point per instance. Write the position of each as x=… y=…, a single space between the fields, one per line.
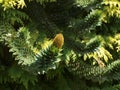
x=58 y=41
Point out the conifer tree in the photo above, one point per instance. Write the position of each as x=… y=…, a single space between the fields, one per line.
x=51 y=44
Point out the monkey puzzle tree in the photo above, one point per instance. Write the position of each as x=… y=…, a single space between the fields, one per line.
x=51 y=44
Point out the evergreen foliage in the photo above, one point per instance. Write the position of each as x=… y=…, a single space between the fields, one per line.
x=59 y=45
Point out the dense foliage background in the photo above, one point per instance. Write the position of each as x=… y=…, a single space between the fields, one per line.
x=59 y=44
